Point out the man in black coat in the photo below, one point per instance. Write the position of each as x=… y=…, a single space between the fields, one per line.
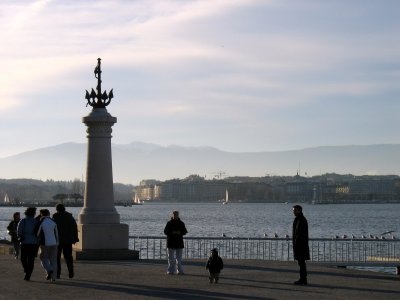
x=175 y=230
x=68 y=235
x=301 y=250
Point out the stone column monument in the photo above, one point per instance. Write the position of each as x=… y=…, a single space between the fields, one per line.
x=101 y=235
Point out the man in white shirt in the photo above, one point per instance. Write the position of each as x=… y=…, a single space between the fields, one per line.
x=48 y=239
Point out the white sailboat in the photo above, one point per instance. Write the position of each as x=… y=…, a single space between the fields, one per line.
x=137 y=200
x=226 y=200
x=6 y=199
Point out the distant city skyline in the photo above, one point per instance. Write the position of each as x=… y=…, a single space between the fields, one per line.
x=137 y=161
x=238 y=75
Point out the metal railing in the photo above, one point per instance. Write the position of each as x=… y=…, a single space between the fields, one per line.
x=322 y=250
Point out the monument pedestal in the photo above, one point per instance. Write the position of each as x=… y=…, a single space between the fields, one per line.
x=103 y=242
x=103 y=236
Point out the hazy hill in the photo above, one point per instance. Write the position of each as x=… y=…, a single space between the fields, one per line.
x=136 y=161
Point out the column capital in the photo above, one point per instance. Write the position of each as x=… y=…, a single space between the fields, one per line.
x=99 y=123
x=100 y=116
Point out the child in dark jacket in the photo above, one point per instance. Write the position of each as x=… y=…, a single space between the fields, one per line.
x=214 y=266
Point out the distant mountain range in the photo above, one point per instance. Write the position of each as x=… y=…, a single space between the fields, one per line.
x=136 y=161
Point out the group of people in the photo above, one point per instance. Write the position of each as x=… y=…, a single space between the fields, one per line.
x=53 y=235
x=56 y=235
x=175 y=230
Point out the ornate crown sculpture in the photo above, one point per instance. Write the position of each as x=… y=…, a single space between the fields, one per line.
x=98 y=99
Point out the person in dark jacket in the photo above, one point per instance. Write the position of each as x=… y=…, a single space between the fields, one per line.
x=68 y=235
x=175 y=230
x=29 y=242
x=214 y=266
x=12 y=231
x=301 y=250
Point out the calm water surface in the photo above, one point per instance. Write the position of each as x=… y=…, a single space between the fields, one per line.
x=249 y=220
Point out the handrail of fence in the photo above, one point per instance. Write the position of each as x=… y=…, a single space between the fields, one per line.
x=322 y=250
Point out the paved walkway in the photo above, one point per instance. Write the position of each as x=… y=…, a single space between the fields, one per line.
x=245 y=279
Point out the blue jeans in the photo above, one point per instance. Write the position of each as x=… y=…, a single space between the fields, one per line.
x=175 y=260
x=48 y=257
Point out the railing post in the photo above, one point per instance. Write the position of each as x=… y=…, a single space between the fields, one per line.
x=147 y=248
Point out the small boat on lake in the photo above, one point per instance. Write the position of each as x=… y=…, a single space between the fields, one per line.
x=226 y=200
x=6 y=200
x=137 y=201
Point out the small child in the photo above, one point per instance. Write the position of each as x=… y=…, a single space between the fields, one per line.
x=214 y=265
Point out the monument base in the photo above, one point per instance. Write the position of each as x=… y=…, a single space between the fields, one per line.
x=105 y=254
x=102 y=236
x=6 y=249
x=103 y=242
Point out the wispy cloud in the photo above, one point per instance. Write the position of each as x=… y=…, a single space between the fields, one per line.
x=209 y=65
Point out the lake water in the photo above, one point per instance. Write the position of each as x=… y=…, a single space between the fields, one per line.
x=249 y=220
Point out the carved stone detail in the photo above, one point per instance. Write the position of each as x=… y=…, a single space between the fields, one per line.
x=99 y=131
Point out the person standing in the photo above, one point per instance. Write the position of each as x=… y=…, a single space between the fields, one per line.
x=175 y=230
x=48 y=240
x=301 y=249
x=13 y=232
x=29 y=242
x=68 y=235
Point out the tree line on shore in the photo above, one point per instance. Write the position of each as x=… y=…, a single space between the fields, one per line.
x=328 y=188
x=25 y=191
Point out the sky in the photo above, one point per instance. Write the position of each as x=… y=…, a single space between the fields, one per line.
x=238 y=75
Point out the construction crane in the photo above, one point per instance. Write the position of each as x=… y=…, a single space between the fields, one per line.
x=219 y=174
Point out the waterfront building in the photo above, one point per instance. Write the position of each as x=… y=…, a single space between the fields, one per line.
x=191 y=189
x=371 y=189
x=331 y=188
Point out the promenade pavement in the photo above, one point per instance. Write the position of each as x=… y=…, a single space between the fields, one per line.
x=240 y=279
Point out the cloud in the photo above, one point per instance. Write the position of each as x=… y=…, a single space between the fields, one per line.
x=22 y=13
x=204 y=66
x=47 y=41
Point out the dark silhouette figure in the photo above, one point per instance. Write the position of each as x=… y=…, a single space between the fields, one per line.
x=13 y=232
x=214 y=266
x=175 y=230
x=68 y=235
x=301 y=250
x=29 y=241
